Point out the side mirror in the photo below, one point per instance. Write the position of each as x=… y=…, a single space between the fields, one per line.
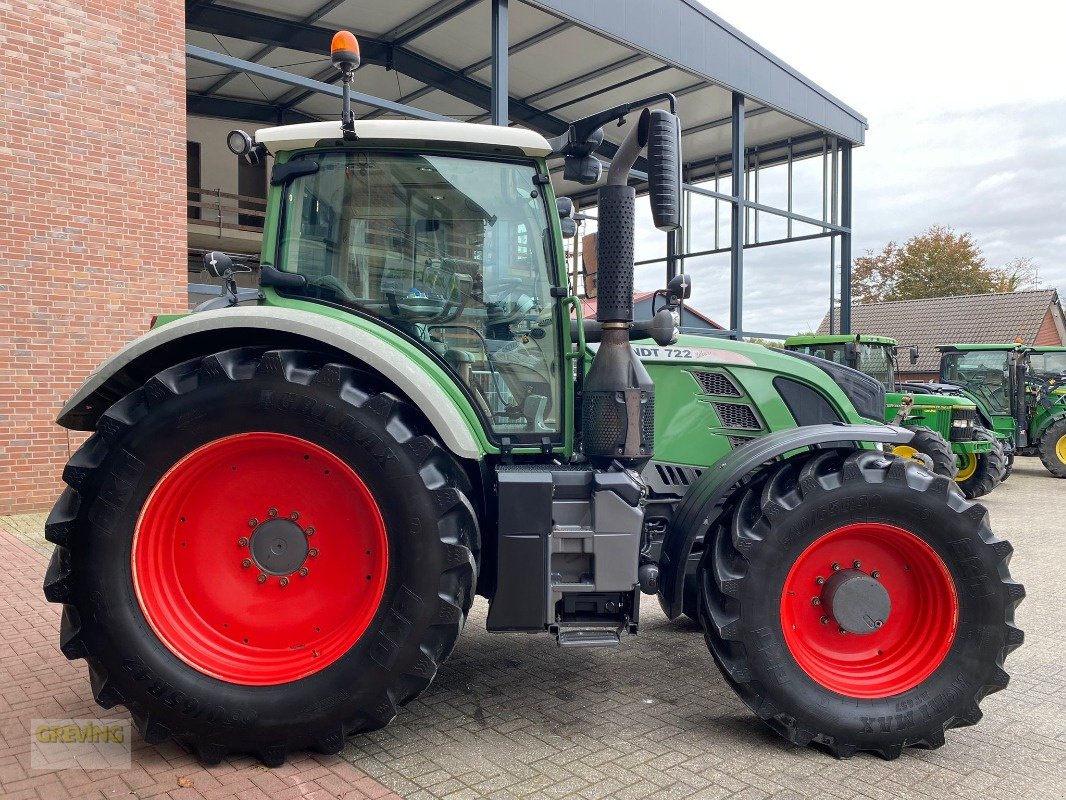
x=569 y=227
x=565 y=206
x=218 y=264
x=664 y=169
x=851 y=354
x=914 y=354
x=680 y=287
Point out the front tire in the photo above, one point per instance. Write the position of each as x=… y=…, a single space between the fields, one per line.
x=902 y=674
x=928 y=442
x=980 y=473
x=261 y=552
x=1053 y=449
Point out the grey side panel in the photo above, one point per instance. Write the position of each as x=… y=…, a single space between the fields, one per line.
x=704 y=500
x=82 y=410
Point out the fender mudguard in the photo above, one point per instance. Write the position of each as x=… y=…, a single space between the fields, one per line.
x=1048 y=421
x=706 y=498
x=199 y=334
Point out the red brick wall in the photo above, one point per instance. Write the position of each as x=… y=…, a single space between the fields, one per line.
x=1048 y=335
x=92 y=209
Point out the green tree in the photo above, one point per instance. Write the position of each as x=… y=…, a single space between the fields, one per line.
x=937 y=263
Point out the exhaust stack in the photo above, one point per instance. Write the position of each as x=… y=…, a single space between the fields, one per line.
x=618 y=404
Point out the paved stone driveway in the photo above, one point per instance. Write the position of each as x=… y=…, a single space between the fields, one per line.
x=513 y=716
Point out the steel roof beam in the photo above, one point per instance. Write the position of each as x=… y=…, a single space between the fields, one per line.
x=517 y=47
x=228 y=108
x=292 y=79
x=423 y=23
x=254 y=27
x=316 y=15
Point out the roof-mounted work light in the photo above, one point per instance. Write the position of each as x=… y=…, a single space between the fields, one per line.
x=344 y=52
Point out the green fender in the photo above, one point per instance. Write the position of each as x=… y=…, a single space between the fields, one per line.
x=422 y=380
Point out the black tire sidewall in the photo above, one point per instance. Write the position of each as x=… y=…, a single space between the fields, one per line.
x=186 y=699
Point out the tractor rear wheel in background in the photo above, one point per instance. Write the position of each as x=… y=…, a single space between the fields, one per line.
x=980 y=473
x=927 y=442
x=261 y=552
x=1008 y=465
x=858 y=602
x=1053 y=449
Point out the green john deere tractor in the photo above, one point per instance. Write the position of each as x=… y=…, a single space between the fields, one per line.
x=291 y=496
x=1020 y=392
x=946 y=429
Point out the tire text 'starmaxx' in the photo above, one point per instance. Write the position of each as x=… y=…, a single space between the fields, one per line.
x=1053 y=449
x=930 y=443
x=985 y=473
x=921 y=666
x=276 y=424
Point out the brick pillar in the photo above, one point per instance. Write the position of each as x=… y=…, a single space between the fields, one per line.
x=92 y=209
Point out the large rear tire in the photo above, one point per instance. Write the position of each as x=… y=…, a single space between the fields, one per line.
x=1053 y=449
x=928 y=442
x=872 y=531
x=982 y=472
x=261 y=552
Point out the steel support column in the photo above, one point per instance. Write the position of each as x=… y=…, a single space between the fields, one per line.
x=500 y=98
x=737 y=220
x=845 y=237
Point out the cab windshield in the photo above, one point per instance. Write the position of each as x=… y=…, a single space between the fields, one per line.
x=982 y=373
x=874 y=359
x=456 y=253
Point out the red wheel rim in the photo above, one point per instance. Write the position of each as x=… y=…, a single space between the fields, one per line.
x=203 y=544
x=913 y=640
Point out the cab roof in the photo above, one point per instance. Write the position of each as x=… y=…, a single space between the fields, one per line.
x=948 y=348
x=418 y=134
x=799 y=341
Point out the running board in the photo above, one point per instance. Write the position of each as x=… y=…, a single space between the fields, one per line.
x=588 y=638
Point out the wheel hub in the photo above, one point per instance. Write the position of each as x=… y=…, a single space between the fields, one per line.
x=857 y=601
x=279 y=547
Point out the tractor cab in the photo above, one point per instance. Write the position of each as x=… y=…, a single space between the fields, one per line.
x=872 y=355
x=1019 y=390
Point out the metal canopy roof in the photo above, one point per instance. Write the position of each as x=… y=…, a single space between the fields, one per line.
x=568 y=58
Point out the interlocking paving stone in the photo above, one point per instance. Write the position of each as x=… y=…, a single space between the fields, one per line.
x=512 y=715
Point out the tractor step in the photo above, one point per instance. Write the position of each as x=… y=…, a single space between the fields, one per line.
x=588 y=638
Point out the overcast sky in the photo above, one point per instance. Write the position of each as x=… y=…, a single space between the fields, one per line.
x=966 y=103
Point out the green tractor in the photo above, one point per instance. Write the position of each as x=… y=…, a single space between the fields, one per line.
x=1020 y=392
x=291 y=497
x=946 y=428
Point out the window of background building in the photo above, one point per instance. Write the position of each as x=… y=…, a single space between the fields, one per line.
x=252 y=187
x=192 y=180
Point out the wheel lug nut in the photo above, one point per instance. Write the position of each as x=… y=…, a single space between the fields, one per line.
x=295 y=515
x=262 y=577
x=283 y=581
x=836 y=567
x=309 y=532
x=825 y=620
x=878 y=623
x=819 y=580
x=816 y=601
x=246 y=563
x=856 y=564
x=242 y=542
x=273 y=512
x=313 y=552
x=303 y=572
x=875 y=574
x=253 y=522
x=842 y=631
